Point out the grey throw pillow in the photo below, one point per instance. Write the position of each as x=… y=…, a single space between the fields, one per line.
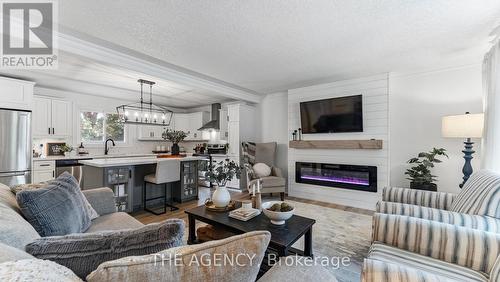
x=70 y=179
x=57 y=209
x=83 y=253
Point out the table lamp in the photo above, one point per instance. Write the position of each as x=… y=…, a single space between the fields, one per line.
x=464 y=126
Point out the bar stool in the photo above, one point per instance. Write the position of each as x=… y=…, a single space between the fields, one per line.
x=167 y=172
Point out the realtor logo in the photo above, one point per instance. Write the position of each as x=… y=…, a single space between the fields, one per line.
x=29 y=35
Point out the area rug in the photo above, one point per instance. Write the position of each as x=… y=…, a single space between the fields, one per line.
x=336 y=234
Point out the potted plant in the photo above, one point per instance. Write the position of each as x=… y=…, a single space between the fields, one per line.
x=220 y=174
x=66 y=149
x=420 y=174
x=174 y=136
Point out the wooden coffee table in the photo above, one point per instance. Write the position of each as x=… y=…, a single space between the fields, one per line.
x=282 y=236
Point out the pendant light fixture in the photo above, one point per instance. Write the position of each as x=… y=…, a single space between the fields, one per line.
x=145 y=113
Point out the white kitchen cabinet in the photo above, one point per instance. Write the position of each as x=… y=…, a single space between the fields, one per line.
x=181 y=122
x=61 y=118
x=43 y=171
x=146 y=132
x=191 y=122
x=42 y=176
x=42 y=117
x=151 y=132
x=223 y=125
x=233 y=112
x=241 y=126
x=233 y=138
x=51 y=117
x=197 y=120
x=16 y=94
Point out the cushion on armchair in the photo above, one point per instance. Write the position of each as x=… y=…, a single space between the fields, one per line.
x=273 y=181
x=261 y=170
x=480 y=195
x=82 y=253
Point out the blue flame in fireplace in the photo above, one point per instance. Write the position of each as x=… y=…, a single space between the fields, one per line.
x=338 y=179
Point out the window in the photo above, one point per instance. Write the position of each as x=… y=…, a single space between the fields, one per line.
x=96 y=127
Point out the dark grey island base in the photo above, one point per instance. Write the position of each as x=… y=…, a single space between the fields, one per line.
x=127 y=181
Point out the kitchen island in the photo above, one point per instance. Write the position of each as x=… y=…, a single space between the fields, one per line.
x=125 y=176
x=133 y=161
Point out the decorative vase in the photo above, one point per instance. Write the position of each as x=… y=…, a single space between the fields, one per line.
x=67 y=154
x=175 y=149
x=221 y=197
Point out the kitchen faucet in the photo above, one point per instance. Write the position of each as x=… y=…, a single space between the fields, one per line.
x=106 y=149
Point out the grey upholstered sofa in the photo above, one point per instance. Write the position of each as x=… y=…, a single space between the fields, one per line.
x=112 y=235
x=18 y=265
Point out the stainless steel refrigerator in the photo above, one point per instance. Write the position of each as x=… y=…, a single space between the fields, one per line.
x=15 y=147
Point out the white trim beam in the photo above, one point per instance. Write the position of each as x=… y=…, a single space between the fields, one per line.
x=108 y=56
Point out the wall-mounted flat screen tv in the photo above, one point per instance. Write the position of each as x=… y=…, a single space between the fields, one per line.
x=343 y=114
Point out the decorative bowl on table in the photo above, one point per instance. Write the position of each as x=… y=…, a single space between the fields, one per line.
x=277 y=211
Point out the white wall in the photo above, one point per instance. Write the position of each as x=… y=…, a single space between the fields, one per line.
x=274 y=123
x=417 y=103
x=375 y=119
x=95 y=103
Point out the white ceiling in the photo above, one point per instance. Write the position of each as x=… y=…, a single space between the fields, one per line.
x=267 y=45
x=85 y=76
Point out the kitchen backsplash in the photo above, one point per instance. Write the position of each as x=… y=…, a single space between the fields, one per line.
x=139 y=147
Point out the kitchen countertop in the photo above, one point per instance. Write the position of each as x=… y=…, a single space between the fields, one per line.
x=128 y=161
x=79 y=157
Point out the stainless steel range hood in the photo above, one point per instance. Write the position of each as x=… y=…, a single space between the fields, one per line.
x=214 y=123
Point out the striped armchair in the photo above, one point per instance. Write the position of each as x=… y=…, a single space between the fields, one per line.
x=408 y=249
x=476 y=206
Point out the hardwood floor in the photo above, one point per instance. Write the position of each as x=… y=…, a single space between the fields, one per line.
x=204 y=193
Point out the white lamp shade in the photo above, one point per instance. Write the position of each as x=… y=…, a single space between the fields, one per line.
x=463 y=126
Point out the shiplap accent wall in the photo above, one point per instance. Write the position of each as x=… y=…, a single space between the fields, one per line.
x=375 y=91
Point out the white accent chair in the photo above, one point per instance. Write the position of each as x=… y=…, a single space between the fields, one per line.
x=167 y=172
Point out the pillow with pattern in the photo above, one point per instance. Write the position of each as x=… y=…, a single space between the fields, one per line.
x=32 y=186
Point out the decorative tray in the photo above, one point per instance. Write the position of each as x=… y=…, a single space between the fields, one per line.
x=161 y=152
x=209 y=205
x=171 y=156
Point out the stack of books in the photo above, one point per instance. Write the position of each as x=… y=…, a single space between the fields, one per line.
x=244 y=214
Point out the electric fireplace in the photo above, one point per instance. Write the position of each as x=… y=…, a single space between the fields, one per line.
x=357 y=177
